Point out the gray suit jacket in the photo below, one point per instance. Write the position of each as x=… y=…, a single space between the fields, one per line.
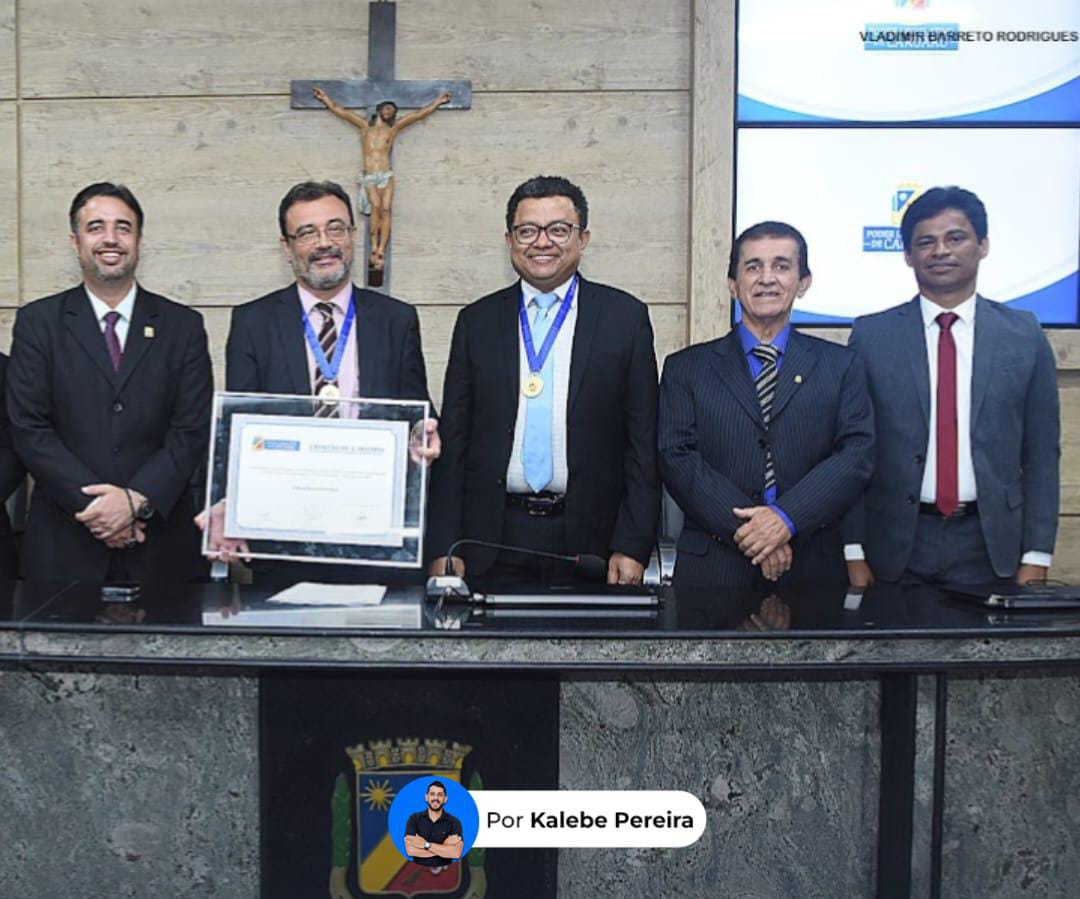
x=1015 y=434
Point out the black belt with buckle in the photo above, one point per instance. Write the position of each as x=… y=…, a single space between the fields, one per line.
x=538 y=504
x=963 y=509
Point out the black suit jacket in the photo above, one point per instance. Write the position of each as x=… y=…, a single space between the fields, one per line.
x=267 y=352
x=12 y=473
x=613 y=490
x=712 y=453
x=76 y=422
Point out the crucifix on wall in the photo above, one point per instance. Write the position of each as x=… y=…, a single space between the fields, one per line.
x=385 y=94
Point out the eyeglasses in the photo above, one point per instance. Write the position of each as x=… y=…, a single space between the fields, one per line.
x=557 y=232
x=335 y=232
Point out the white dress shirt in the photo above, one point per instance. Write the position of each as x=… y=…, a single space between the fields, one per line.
x=126 y=307
x=560 y=354
x=963 y=332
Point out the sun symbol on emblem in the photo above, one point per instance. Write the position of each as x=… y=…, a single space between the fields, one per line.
x=377 y=794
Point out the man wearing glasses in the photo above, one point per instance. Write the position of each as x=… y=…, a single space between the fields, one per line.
x=288 y=341
x=549 y=410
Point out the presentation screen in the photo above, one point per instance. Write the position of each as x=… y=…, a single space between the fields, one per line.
x=847 y=188
x=909 y=60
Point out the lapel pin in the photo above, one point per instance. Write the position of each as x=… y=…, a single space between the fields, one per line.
x=148 y=331
x=798 y=379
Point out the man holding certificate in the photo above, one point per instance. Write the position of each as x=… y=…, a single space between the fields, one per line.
x=323 y=337
x=549 y=410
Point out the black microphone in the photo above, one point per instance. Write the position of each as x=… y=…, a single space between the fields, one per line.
x=590 y=567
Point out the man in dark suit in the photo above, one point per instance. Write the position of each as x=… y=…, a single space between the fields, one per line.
x=109 y=389
x=965 y=485
x=766 y=435
x=267 y=351
x=549 y=409
x=269 y=347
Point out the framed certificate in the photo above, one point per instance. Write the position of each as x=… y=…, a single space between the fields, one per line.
x=318 y=479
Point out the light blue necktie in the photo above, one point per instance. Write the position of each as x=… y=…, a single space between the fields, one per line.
x=536 y=447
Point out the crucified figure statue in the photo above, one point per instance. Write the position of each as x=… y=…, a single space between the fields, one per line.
x=376 y=184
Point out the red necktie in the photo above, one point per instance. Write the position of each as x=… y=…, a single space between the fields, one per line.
x=948 y=489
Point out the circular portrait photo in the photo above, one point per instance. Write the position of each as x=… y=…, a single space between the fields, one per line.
x=433 y=822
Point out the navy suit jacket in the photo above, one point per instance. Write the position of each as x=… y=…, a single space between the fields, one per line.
x=613 y=492
x=267 y=352
x=76 y=422
x=712 y=453
x=1015 y=434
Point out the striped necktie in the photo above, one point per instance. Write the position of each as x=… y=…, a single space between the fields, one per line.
x=328 y=342
x=765 y=385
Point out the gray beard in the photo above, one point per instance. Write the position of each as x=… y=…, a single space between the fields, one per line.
x=325 y=282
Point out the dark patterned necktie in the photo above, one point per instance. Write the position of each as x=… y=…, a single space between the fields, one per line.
x=328 y=342
x=112 y=341
x=765 y=385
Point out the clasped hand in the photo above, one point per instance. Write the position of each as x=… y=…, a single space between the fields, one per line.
x=109 y=518
x=764 y=539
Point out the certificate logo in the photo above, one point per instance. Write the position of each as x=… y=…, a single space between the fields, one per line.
x=886 y=238
x=260 y=444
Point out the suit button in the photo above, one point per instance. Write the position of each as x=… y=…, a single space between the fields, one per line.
x=118 y=406
x=756 y=494
x=762 y=442
x=500 y=481
x=116 y=450
x=911 y=500
x=919 y=459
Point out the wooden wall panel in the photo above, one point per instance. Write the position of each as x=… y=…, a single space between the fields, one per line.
x=1069 y=395
x=712 y=168
x=195 y=47
x=7 y=49
x=210 y=173
x=1066 y=565
x=9 y=206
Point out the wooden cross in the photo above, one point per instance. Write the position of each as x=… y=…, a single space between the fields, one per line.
x=381 y=84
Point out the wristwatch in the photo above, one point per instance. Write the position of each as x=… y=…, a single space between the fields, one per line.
x=145 y=511
x=427 y=845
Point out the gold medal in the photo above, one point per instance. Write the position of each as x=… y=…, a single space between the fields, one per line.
x=534 y=385
x=329 y=391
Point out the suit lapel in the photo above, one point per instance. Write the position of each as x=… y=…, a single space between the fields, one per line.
x=144 y=329
x=913 y=345
x=585 y=328
x=83 y=325
x=982 y=354
x=290 y=326
x=800 y=357
x=371 y=343
x=509 y=330
x=730 y=363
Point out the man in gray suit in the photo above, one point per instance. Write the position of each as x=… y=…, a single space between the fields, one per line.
x=965 y=485
x=766 y=435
